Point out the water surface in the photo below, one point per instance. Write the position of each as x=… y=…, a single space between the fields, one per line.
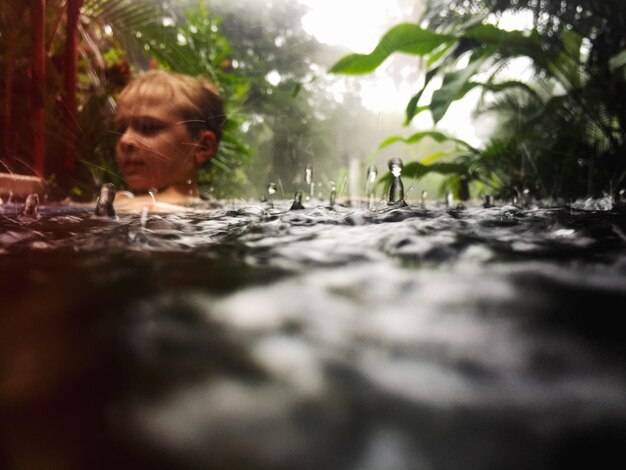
x=250 y=337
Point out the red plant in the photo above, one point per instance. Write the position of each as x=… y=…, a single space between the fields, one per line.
x=8 y=128
x=38 y=27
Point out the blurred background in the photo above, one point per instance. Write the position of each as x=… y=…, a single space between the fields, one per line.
x=509 y=95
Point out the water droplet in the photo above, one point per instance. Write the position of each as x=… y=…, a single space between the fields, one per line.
x=449 y=199
x=271 y=190
x=372 y=174
x=144 y=217
x=396 y=190
x=104 y=204
x=30 y=211
x=333 y=193
x=297 y=201
x=395 y=166
x=308 y=178
x=424 y=196
x=153 y=192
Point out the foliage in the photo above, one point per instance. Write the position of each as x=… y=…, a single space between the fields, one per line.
x=284 y=117
x=117 y=38
x=567 y=135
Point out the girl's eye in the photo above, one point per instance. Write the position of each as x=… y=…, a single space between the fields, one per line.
x=144 y=127
x=149 y=129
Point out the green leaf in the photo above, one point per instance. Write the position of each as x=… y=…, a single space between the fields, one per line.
x=296 y=89
x=496 y=87
x=406 y=37
x=435 y=135
x=456 y=84
x=434 y=157
x=572 y=42
x=454 y=87
x=438 y=54
x=418 y=170
x=491 y=34
x=412 y=109
x=617 y=61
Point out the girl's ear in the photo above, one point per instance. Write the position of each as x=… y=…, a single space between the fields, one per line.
x=205 y=148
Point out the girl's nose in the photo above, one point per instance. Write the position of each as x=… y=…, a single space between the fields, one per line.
x=128 y=140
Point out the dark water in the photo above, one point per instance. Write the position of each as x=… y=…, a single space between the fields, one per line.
x=245 y=337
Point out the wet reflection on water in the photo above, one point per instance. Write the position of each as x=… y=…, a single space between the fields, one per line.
x=257 y=337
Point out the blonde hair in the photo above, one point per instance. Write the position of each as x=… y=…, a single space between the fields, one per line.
x=196 y=99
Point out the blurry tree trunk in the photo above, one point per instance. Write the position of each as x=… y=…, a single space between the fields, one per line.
x=70 y=70
x=38 y=26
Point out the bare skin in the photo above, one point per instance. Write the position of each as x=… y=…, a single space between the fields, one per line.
x=156 y=150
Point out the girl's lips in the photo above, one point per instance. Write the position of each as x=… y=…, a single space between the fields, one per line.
x=131 y=166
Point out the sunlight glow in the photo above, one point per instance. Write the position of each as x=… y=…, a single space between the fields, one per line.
x=514 y=21
x=273 y=78
x=355 y=24
x=167 y=21
x=383 y=94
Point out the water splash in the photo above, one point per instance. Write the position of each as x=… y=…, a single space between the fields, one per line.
x=396 y=191
x=372 y=174
x=30 y=211
x=104 y=204
x=333 y=194
x=297 y=202
x=153 y=193
x=478 y=345
x=144 y=217
x=308 y=178
x=271 y=190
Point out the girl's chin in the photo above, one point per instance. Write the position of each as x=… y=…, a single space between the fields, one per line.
x=139 y=184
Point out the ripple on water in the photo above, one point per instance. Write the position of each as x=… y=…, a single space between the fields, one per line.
x=390 y=336
x=464 y=344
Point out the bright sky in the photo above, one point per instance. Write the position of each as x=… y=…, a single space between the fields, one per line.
x=356 y=24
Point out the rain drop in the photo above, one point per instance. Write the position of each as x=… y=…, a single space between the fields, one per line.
x=396 y=191
x=297 y=201
x=104 y=204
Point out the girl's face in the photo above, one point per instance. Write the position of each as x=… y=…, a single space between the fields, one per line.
x=155 y=149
